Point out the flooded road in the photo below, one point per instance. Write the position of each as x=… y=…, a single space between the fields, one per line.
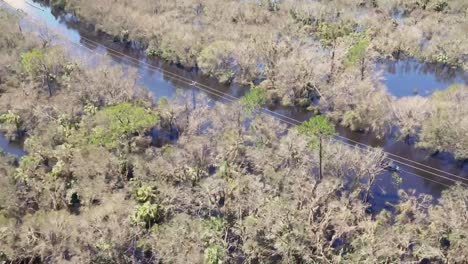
x=422 y=172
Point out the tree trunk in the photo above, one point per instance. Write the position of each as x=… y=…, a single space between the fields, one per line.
x=363 y=67
x=320 y=159
x=369 y=187
x=49 y=87
x=332 y=65
x=46 y=83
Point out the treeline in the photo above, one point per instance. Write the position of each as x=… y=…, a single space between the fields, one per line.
x=113 y=177
x=299 y=50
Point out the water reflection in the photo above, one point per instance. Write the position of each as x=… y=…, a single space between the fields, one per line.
x=14 y=149
x=406 y=77
x=402 y=78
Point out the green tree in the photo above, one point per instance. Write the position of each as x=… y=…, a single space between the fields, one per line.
x=116 y=124
x=316 y=129
x=44 y=65
x=329 y=33
x=254 y=100
x=357 y=53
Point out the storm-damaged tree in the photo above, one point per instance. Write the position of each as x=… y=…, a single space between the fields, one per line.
x=329 y=33
x=446 y=128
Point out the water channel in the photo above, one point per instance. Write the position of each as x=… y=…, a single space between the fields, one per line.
x=421 y=175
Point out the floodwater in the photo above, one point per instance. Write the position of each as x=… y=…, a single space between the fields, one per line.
x=10 y=148
x=407 y=77
x=422 y=172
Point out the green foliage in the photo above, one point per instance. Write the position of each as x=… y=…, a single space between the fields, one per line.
x=215 y=228
x=10 y=118
x=214 y=254
x=216 y=224
x=224 y=168
x=317 y=128
x=31 y=61
x=267 y=207
x=152 y=52
x=90 y=109
x=216 y=60
x=357 y=52
x=254 y=100
x=45 y=65
x=146 y=214
x=163 y=102
x=27 y=167
x=144 y=194
x=103 y=245
x=115 y=124
x=329 y=33
x=58 y=169
x=163 y=50
x=352 y=119
x=66 y=124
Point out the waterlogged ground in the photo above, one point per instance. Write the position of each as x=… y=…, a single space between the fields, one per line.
x=10 y=148
x=402 y=78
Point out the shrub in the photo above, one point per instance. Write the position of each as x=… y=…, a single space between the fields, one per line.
x=146 y=214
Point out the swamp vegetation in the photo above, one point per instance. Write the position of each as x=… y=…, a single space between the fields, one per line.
x=298 y=51
x=113 y=176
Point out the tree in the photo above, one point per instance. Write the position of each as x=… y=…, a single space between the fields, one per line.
x=446 y=128
x=116 y=124
x=357 y=52
x=410 y=112
x=217 y=60
x=44 y=65
x=447 y=229
x=329 y=33
x=254 y=100
x=316 y=129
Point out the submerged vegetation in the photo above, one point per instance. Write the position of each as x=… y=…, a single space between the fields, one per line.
x=298 y=51
x=111 y=176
